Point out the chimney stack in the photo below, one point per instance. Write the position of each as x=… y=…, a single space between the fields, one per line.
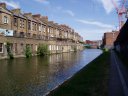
x=16 y=11
x=36 y=16
x=3 y=5
x=28 y=14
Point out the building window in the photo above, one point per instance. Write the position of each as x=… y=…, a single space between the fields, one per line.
x=29 y=25
x=15 y=47
x=50 y=47
x=22 y=34
x=23 y=22
x=20 y=23
x=39 y=27
x=15 y=33
x=1 y=47
x=5 y=19
x=35 y=27
x=15 y=21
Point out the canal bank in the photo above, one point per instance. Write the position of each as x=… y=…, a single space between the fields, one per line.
x=92 y=80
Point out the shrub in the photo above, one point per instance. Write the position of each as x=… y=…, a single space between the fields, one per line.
x=28 y=52
x=9 y=50
x=105 y=50
x=42 y=50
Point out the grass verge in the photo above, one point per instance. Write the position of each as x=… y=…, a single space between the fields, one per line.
x=92 y=80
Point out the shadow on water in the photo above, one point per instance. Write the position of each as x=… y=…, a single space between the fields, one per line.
x=38 y=75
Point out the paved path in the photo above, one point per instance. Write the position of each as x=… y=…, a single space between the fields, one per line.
x=118 y=77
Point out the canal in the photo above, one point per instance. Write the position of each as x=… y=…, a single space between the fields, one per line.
x=38 y=75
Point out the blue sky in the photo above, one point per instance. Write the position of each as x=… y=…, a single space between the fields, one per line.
x=90 y=18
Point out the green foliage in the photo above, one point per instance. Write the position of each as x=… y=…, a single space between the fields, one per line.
x=28 y=52
x=88 y=47
x=9 y=50
x=105 y=50
x=42 y=50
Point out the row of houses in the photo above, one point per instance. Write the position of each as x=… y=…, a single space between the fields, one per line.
x=21 y=29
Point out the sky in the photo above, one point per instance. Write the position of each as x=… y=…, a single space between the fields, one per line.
x=90 y=18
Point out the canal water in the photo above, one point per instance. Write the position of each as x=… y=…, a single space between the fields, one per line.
x=38 y=75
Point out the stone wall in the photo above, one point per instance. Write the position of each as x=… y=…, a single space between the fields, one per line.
x=19 y=44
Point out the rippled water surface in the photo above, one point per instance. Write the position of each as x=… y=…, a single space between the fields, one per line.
x=38 y=75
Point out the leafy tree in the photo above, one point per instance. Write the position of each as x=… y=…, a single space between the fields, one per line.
x=9 y=50
x=28 y=52
x=42 y=50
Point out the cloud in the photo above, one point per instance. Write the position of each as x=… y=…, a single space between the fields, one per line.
x=108 y=5
x=46 y=2
x=69 y=12
x=11 y=3
x=92 y=34
x=95 y=23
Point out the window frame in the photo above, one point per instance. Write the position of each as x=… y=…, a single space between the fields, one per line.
x=1 y=47
x=5 y=20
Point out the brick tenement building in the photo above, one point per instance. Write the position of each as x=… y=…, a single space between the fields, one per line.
x=26 y=29
x=109 y=39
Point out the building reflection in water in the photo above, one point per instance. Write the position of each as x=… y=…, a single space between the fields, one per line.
x=38 y=75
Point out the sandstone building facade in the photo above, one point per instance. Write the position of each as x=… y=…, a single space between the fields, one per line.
x=26 y=29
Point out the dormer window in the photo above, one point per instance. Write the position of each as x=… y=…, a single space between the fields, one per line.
x=5 y=20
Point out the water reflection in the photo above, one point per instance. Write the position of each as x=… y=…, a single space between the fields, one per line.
x=38 y=75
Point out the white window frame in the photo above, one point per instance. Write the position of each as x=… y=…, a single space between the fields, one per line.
x=50 y=47
x=5 y=20
x=39 y=27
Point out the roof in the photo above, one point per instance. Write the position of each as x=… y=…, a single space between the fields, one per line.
x=19 y=15
x=5 y=11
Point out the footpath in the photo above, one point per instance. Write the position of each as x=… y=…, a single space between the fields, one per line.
x=118 y=77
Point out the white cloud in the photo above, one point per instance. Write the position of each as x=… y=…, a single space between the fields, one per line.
x=46 y=2
x=108 y=5
x=95 y=23
x=69 y=12
x=11 y=3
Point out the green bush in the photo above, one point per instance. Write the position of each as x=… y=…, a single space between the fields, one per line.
x=28 y=52
x=42 y=50
x=9 y=50
x=105 y=50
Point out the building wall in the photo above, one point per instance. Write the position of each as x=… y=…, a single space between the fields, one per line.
x=3 y=24
x=19 y=44
x=109 y=39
